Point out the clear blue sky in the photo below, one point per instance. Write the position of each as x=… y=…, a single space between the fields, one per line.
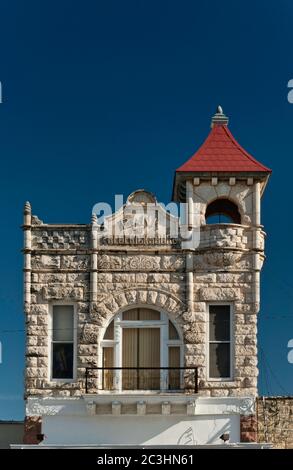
x=107 y=97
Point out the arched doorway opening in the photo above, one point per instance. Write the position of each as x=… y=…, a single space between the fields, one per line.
x=141 y=350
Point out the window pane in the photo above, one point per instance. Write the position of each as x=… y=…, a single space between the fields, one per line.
x=174 y=361
x=173 y=333
x=219 y=360
x=141 y=349
x=148 y=314
x=109 y=333
x=141 y=314
x=129 y=358
x=149 y=356
x=219 y=323
x=62 y=361
x=63 y=323
x=130 y=314
x=108 y=375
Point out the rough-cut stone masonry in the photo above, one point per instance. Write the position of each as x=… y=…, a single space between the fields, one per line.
x=67 y=263
x=275 y=421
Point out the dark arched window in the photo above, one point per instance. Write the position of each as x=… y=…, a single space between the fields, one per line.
x=222 y=211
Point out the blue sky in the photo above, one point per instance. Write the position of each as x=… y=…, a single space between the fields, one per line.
x=107 y=97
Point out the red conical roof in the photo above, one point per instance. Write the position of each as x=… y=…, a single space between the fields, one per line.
x=221 y=152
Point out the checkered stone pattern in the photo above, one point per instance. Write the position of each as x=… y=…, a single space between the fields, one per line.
x=60 y=239
x=236 y=237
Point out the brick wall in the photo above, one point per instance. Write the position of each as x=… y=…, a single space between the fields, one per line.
x=32 y=430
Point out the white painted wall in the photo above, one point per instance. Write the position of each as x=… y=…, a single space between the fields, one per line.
x=138 y=430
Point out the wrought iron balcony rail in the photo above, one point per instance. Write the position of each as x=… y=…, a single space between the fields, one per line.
x=141 y=378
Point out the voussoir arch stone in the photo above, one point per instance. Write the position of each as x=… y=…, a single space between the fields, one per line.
x=103 y=311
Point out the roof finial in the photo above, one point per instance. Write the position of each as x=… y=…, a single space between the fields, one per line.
x=27 y=214
x=219 y=118
x=27 y=208
x=94 y=219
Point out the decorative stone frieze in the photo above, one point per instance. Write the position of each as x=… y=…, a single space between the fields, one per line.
x=141 y=263
x=62 y=293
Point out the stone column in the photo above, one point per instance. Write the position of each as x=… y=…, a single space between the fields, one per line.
x=94 y=260
x=189 y=281
x=189 y=202
x=256 y=203
x=256 y=216
x=256 y=280
x=256 y=245
x=189 y=254
x=27 y=222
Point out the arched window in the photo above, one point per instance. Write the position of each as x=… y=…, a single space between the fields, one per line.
x=222 y=211
x=138 y=347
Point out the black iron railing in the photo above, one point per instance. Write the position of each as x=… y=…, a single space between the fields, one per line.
x=142 y=378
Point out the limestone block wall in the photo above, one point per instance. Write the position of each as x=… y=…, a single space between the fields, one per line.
x=62 y=264
x=56 y=268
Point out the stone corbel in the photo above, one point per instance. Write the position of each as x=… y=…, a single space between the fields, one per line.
x=91 y=408
x=166 y=408
x=116 y=408
x=190 y=408
x=141 y=408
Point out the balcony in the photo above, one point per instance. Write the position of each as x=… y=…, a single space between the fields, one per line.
x=141 y=380
x=231 y=236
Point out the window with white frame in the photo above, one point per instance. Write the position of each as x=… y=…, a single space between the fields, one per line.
x=220 y=349
x=141 y=350
x=62 y=357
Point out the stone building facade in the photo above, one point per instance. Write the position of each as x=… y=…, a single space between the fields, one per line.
x=197 y=286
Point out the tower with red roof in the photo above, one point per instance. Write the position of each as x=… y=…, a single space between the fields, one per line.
x=222 y=185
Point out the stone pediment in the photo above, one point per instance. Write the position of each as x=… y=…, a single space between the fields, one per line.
x=140 y=221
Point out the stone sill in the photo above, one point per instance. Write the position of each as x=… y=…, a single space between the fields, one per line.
x=131 y=396
x=219 y=384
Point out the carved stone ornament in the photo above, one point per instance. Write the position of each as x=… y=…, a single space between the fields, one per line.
x=38 y=409
x=36 y=220
x=141 y=263
x=222 y=258
x=247 y=406
x=89 y=334
x=60 y=292
x=109 y=262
